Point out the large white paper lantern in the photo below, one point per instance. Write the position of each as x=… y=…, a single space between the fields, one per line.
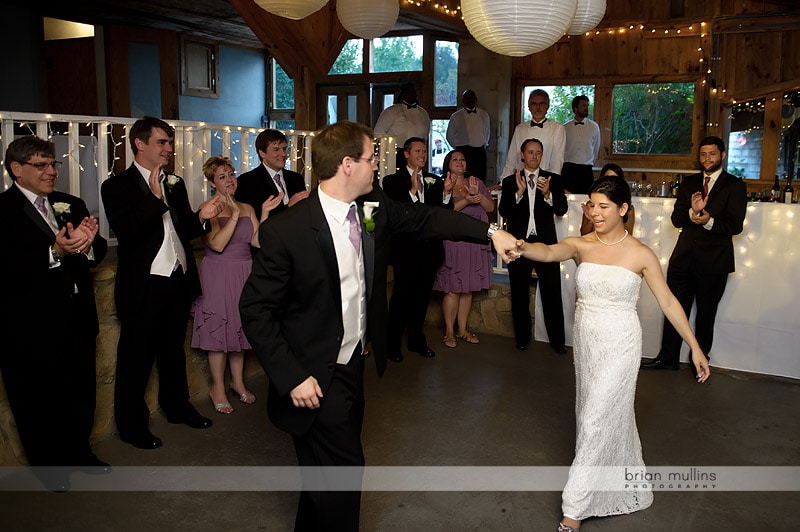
x=518 y=27
x=588 y=15
x=367 y=18
x=293 y=9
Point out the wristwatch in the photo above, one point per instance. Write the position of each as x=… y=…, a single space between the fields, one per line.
x=56 y=256
x=491 y=230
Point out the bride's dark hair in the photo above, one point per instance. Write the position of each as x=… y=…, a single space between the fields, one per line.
x=616 y=189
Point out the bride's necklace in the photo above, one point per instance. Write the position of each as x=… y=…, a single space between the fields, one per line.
x=612 y=243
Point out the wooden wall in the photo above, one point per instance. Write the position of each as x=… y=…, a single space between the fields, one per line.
x=749 y=49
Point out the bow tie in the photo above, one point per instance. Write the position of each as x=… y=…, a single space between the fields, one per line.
x=578 y=123
x=410 y=105
x=540 y=124
x=470 y=111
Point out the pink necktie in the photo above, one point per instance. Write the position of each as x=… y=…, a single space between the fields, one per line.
x=40 y=205
x=355 y=229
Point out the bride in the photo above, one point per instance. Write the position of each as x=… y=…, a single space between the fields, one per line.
x=608 y=349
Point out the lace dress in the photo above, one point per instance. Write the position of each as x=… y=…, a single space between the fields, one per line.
x=217 y=323
x=608 y=349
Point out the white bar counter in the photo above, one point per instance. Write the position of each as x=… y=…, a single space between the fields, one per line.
x=758 y=322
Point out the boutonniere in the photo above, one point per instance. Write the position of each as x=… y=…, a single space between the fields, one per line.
x=429 y=181
x=62 y=211
x=369 y=210
x=171 y=181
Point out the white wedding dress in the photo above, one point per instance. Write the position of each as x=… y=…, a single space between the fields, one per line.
x=608 y=348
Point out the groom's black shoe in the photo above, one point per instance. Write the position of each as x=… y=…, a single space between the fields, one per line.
x=658 y=364
x=425 y=352
x=560 y=349
x=141 y=440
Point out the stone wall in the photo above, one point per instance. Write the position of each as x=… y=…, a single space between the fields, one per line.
x=491 y=314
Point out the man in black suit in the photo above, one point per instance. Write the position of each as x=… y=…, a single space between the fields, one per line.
x=709 y=210
x=270 y=179
x=48 y=319
x=149 y=212
x=414 y=262
x=317 y=293
x=533 y=221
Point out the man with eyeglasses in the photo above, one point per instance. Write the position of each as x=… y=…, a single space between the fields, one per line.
x=48 y=319
x=550 y=133
x=414 y=262
x=270 y=179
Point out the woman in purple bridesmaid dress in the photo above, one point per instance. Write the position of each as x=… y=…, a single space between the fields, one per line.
x=223 y=272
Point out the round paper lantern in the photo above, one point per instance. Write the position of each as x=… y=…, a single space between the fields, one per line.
x=367 y=18
x=518 y=27
x=293 y=9
x=588 y=15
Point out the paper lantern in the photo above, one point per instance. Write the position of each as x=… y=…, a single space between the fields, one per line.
x=367 y=18
x=518 y=27
x=293 y=9
x=588 y=15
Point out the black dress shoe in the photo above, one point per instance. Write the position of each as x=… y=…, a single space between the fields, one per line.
x=425 y=352
x=94 y=466
x=55 y=479
x=658 y=364
x=560 y=349
x=522 y=346
x=395 y=357
x=193 y=420
x=141 y=440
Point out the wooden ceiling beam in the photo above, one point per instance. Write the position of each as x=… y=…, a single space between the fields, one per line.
x=312 y=43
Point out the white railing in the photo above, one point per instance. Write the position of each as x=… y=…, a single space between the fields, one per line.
x=90 y=146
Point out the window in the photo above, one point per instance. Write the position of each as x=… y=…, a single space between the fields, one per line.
x=745 y=138
x=788 y=156
x=445 y=72
x=199 y=69
x=351 y=58
x=397 y=54
x=560 y=101
x=653 y=118
x=438 y=145
x=281 y=114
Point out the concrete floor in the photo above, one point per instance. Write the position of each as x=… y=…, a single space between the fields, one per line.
x=476 y=405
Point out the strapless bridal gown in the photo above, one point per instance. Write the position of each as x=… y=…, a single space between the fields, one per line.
x=608 y=349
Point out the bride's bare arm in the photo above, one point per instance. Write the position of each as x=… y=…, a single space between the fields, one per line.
x=564 y=250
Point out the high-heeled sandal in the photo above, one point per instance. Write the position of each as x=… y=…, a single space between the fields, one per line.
x=246 y=398
x=564 y=528
x=222 y=408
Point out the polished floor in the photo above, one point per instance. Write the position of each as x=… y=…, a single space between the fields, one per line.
x=475 y=405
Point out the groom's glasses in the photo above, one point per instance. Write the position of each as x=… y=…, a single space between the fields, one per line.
x=371 y=160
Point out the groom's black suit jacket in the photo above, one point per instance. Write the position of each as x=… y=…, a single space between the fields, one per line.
x=291 y=305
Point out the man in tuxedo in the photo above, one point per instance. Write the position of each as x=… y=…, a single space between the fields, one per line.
x=581 y=149
x=469 y=130
x=709 y=210
x=271 y=179
x=414 y=262
x=530 y=199
x=404 y=119
x=317 y=293
x=550 y=133
x=48 y=319
x=149 y=212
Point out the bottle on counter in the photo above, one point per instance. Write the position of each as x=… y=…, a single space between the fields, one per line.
x=776 y=191
x=788 y=190
x=676 y=187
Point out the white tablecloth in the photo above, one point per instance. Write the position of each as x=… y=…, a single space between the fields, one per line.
x=757 y=322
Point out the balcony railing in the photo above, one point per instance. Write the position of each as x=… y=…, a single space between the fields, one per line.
x=92 y=147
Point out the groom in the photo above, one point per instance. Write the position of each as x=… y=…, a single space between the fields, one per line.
x=317 y=294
